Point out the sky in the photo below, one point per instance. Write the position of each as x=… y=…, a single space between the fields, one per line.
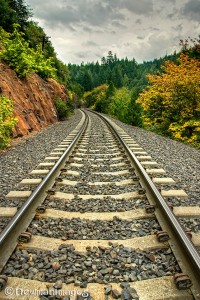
x=85 y=30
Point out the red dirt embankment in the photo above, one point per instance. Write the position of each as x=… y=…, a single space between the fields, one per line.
x=33 y=100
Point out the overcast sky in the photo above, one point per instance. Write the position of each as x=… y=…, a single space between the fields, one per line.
x=85 y=30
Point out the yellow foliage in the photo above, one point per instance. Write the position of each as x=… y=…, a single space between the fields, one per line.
x=96 y=94
x=70 y=94
x=171 y=101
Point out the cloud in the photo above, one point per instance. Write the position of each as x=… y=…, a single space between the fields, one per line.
x=81 y=54
x=116 y=23
x=178 y=28
x=142 y=7
x=91 y=12
x=192 y=10
x=138 y=21
x=143 y=29
x=156 y=46
x=90 y=44
x=88 y=12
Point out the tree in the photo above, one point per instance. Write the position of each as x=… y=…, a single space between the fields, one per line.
x=97 y=95
x=7 y=16
x=110 y=58
x=171 y=101
x=117 y=76
x=111 y=90
x=24 y=60
x=120 y=103
x=135 y=110
x=21 y=10
x=13 y=11
x=191 y=46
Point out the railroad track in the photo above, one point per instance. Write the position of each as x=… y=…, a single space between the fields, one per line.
x=93 y=222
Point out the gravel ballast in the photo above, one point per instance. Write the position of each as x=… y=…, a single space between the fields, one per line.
x=16 y=162
x=77 y=228
x=96 y=205
x=114 y=263
x=180 y=161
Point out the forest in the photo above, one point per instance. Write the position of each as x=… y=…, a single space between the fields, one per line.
x=162 y=95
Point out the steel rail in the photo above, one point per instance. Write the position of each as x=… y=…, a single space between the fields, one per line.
x=188 y=251
x=23 y=217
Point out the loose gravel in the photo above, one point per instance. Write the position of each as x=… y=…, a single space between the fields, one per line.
x=95 y=205
x=17 y=161
x=77 y=228
x=98 y=190
x=114 y=263
x=180 y=161
x=192 y=224
x=3 y=223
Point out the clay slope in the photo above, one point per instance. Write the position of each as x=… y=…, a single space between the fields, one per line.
x=33 y=99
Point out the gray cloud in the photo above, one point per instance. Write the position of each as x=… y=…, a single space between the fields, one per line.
x=90 y=44
x=118 y=24
x=138 y=7
x=96 y=13
x=89 y=12
x=138 y=21
x=82 y=54
x=192 y=9
x=143 y=29
x=178 y=28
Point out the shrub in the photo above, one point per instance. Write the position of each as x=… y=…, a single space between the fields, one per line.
x=120 y=105
x=62 y=109
x=7 y=121
x=171 y=102
x=23 y=59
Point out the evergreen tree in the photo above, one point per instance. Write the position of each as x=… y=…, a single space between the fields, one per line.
x=14 y=11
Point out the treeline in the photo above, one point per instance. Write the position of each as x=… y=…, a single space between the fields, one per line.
x=26 y=48
x=162 y=95
x=121 y=72
x=25 y=44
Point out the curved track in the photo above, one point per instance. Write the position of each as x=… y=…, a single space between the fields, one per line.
x=96 y=218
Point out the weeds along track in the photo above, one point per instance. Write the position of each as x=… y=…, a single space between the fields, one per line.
x=96 y=220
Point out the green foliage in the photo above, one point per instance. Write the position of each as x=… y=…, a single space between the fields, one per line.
x=43 y=67
x=135 y=111
x=77 y=89
x=122 y=72
x=23 y=59
x=13 y=11
x=110 y=90
x=96 y=95
x=7 y=16
x=40 y=42
x=7 y=121
x=62 y=108
x=120 y=103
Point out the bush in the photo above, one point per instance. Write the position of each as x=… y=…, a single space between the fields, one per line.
x=120 y=105
x=97 y=94
x=7 y=121
x=23 y=59
x=62 y=109
x=171 y=102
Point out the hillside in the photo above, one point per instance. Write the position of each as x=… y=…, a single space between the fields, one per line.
x=33 y=99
